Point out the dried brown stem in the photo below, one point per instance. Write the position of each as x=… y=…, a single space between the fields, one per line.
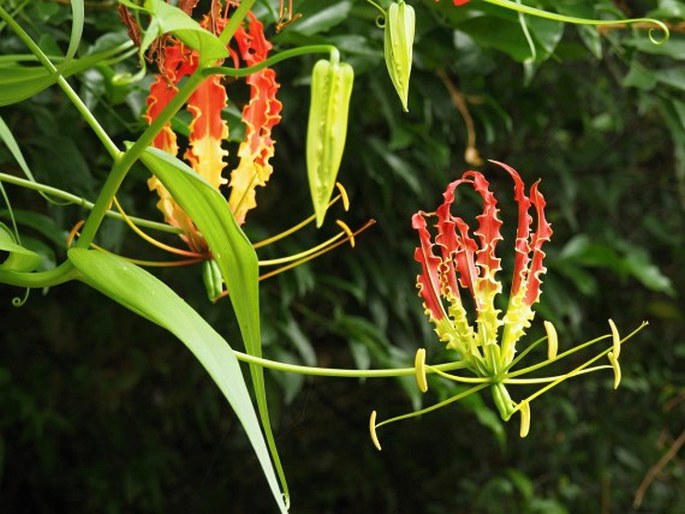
x=657 y=468
x=471 y=155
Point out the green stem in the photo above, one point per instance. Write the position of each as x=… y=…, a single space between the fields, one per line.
x=236 y=20
x=380 y=8
x=547 y=362
x=559 y=357
x=82 y=202
x=63 y=84
x=436 y=406
x=545 y=380
x=514 y=6
x=123 y=164
x=281 y=56
x=340 y=372
x=40 y=279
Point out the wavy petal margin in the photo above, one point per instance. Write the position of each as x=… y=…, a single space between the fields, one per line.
x=261 y=115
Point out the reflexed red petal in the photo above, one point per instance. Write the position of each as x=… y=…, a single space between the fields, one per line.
x=522 y=244
x=260 y=115
x=543 y=233
x=428 y=281
x=488 y=227
x=457 y=248
x=528 y=266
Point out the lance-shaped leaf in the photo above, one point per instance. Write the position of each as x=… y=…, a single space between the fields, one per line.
x=147 y=296
x=233 y=254
x=19 y=82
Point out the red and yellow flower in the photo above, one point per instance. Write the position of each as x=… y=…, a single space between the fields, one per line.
x=208 y=131
x=456 y=266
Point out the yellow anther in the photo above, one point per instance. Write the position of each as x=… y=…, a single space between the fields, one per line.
x=347 y=231
x=343 y=196
x=617 y=368
x=552 y=340
x=420 y=366
x=372 y=430
x=617 y=339
x=524 y=408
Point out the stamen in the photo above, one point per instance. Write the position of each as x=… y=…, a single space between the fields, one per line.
x=616 y=338
x=552 y=340
x=420 y=365
x=372 y=430
x=286 y=16
x=350 y=235
x=300 y=255
x=343 y=195
x=317 y=254
x=292 y=229
x=159 y=264
x=524 y=408
x=617 y=368
x=152 y=240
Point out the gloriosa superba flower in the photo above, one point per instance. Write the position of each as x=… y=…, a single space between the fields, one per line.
x=455 y=264
x=459 y=274
x=208 y=130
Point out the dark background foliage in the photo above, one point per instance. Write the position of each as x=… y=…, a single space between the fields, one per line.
x=102 y=412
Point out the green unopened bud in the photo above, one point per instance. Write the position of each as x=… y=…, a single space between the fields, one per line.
x=399 y=37
x=211 y=277
x=503 y=402
x=327 y=129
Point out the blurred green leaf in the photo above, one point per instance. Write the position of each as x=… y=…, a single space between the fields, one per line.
x=640 y=77
x=318 y=16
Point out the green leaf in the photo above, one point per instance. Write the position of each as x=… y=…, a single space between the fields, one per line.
x=7 y=137
x=19 y=258
x=147 y=296
x=19 y=82
x=639 y=77
x=674 y=77
x=234 y=255
x=44 y=225
x=77 y=14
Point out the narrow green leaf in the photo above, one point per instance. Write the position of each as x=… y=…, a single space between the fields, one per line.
x=19 y=258
x=233 y=254
x=41 y=223
x=19 y=82
x=77 y=15
x=144 y=294
x=7 y=137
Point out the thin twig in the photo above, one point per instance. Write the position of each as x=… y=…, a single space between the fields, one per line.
x=657 y=468
x=471 y=155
